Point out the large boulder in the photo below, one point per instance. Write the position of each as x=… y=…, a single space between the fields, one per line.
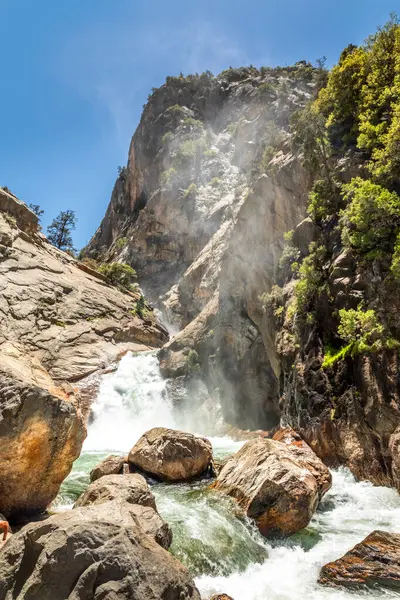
x=374 y=562
x=112 y=465
x=171 y=455
x=41 y=434
x=306 y=456
x=129 y=493
x=272 y=482
x=91 y=553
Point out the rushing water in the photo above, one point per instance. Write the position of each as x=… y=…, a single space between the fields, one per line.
x=224 y=551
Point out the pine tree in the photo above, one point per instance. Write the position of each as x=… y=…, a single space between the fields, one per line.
x=59 y=232
x=36 y=209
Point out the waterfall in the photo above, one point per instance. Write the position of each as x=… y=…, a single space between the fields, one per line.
x=130 y=402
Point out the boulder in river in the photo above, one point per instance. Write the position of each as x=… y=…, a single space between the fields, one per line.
x=128 y=493
x=374 y=562
x=112 y=465
x=41 y=434
x=171 y=455
x=91 y=553
x=273 y=483
x=307 y=457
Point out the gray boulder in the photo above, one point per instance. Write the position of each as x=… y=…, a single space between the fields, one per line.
x=171 y=455
x=128 y=494
x=112 y=465
x=91 y=553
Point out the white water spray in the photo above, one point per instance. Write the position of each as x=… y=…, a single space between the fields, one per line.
x=130 y=402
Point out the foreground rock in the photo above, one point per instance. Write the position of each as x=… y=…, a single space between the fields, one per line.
x=41 y=434
x=171 y=455
x=92 y=554
x=373 y=562
x=221 y=597
x=273 y=483
x=128 y=494
x=112 y=465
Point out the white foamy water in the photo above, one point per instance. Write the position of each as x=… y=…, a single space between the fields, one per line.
x=130 y=402
x=348 y=513
x=227 y=554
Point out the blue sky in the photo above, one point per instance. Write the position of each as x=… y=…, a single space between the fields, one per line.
x=76 y=73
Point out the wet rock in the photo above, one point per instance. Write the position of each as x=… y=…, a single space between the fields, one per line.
x=91 y=553
x=374 y=562
x=128 y=493
x=171 y=455
x=112 y=465
x=306 y=456
x=41 y=434
x=272 y=482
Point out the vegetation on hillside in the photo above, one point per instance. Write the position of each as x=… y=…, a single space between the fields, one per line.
x=349 y=141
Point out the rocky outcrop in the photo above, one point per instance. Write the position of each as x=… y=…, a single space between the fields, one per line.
x=278 y=485
x=59 y=323
x=128 y=493
x=112 y=465
x=375 y=562
x=348 y=412
x=92 y=553
x=171 y=455
x=203 y=224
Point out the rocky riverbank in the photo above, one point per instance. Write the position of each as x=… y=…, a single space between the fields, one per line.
x=61 y=326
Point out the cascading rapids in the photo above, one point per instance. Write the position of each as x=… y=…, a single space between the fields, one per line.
x=226 y=553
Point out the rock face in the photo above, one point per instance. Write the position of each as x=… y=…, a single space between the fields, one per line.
x=275 y=484
x=112 y=465
x=374 y=562
x=91 y=553
x=171 y=455
x=128 y=493
x=204 y=224
x=348 y=413
x=59 y=323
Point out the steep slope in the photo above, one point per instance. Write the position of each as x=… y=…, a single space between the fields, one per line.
x=59 y=323
x=337 y=316
x=195 y=214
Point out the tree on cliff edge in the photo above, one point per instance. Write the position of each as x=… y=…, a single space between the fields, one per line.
x=59 y=232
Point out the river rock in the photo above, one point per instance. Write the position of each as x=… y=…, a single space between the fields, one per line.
x=171 y=455
x=91 y=553
x=273 y=484
x=307 y=457
x=112 y=465
x=374 y=562
x=130 y=493
x=41 y=434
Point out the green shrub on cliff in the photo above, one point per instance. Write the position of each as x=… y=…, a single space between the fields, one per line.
x=310 y=277
x=167 y=177
x=119 y=274
x=190 y=191
x=360 y=327
x=371 y=220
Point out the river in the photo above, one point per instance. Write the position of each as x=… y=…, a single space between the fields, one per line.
x=223 y=551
